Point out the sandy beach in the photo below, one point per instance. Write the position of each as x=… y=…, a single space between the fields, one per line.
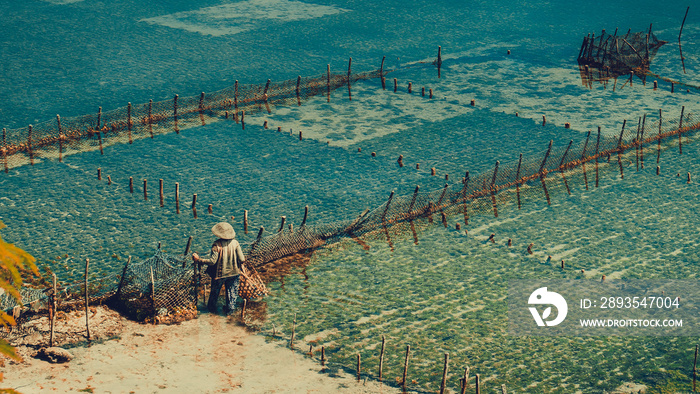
x=210 y=354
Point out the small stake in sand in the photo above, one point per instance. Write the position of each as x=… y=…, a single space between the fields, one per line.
x=52 y=311
x=153 y=296
x=87 y=312
x=294 y=326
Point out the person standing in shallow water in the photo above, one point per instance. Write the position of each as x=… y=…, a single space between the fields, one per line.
x=224 y=266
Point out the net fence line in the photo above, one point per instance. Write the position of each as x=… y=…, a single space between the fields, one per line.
x=165 y=285
x=534 y=178
x=63 y=136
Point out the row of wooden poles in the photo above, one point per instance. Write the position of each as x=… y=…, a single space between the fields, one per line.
x=193 y=206
x=151 y=119
x=464 y=381
x=100 y=128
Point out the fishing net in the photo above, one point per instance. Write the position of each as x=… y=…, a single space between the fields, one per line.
x=64 y=136
x=614 y=55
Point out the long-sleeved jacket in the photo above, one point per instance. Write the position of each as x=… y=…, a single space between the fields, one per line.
x=225 y=259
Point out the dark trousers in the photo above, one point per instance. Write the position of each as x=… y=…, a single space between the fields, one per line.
x=231 y=284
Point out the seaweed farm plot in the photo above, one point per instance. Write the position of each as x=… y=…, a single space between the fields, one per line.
x=447 y=292
x=54 y=139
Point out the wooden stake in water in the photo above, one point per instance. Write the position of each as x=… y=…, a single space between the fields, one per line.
x=658 y=147
x=381 y=358
x=245 y=221
x=597 y=146
x=493 y=190
x=201 y=108
x=4 y=149
x=54 y=295
x=60 y=139
x=87 y=312
x=297 y=90
x=177 y=130
x=235 y=101
x=282 y=221
x=29 y=145
x=99 y=174
x=160 y=190
x=465 y=206
x=439 y=60
x=695 y=362
x=150 y=117
x=561 y=166
x=129 y=123
x=680 y=132
x=121 y=279
x=465 y=380
x=444 y=374
x=131 y=184
x=358 y=366
x=177 y=197
x=306 y=214
x=381 y=73
x=328 y=82
x=405 y=366
x=145 y=189
x=641 y=138
x=543 y=173
x=98 y=130
x=681 y=49
x=477 y=383
x=349 y=75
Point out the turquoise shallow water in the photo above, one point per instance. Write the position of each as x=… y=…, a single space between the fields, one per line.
x=445 y=294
